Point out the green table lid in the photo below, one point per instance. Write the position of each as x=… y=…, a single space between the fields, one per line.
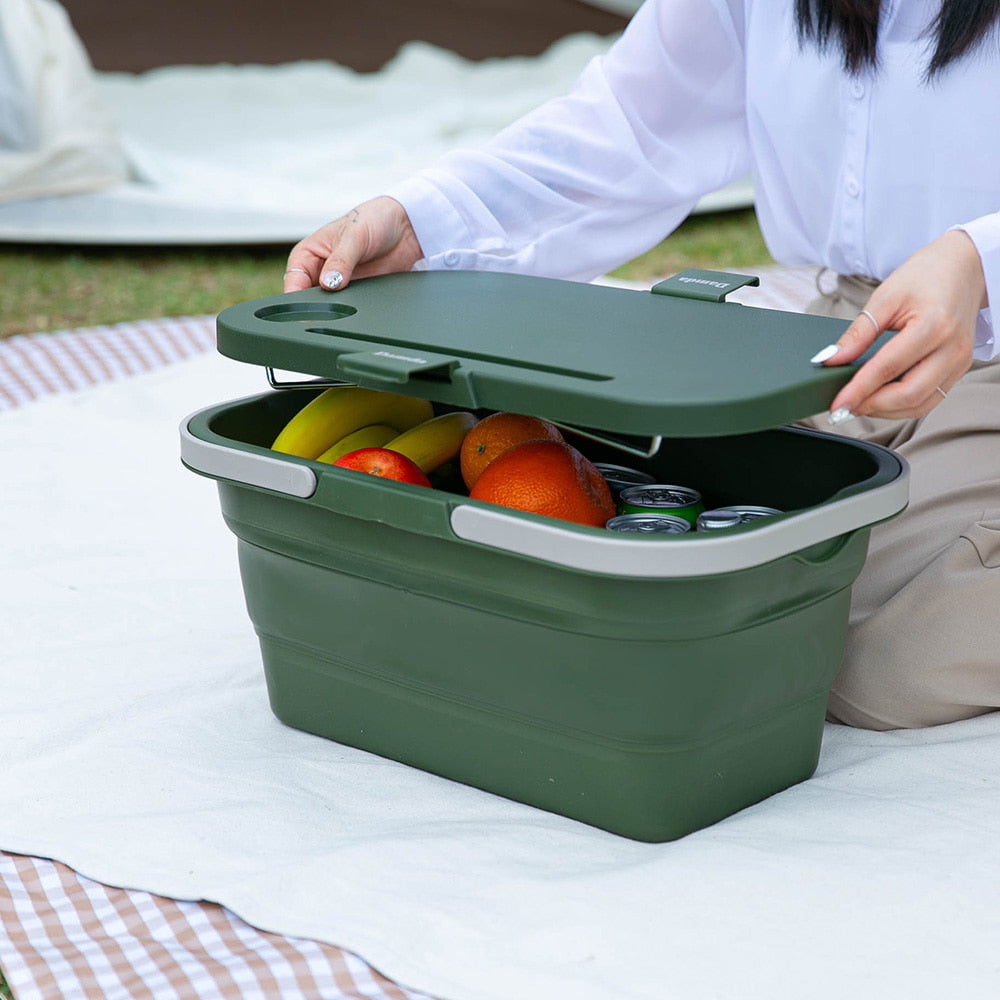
x=677 y=361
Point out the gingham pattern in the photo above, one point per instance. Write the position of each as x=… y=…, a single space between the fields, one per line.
x=36 y=364
x=66 y=937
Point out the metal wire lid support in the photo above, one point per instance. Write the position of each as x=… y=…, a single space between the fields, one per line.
x=314 y=383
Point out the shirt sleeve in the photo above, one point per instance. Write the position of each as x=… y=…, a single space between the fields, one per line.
x=589 y=180
x=985 y=234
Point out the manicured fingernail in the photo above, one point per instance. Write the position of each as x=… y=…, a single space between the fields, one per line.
x=840 y=416
x=332 y=279
x=824 y=355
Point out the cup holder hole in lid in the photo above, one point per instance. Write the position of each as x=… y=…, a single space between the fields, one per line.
x=309 y=312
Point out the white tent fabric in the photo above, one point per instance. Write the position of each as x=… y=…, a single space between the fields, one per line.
x=57 y=135
x=626 y=7
x=265 y=154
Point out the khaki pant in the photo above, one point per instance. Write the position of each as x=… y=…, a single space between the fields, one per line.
x=923 y=646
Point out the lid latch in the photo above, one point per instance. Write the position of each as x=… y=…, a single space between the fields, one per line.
x=710 y=286
x=397 y=366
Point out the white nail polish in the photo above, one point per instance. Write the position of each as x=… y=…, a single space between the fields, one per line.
x=824 y=355
x=332 y=279
x=840 y=416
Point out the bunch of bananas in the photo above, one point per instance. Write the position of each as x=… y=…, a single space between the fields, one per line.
x=343 y=419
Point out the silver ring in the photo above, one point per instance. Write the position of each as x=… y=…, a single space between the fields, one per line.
x=865 y=312
x=944 y=395
x=300 y=270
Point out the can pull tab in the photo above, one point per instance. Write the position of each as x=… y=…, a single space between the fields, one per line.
x=397 y=366
x=710 y=286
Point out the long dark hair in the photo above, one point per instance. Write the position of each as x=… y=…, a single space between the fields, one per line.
x=959 y=27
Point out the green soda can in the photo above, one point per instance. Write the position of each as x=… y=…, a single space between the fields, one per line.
x=666 y=524
x=620 y=477
x=681 y=501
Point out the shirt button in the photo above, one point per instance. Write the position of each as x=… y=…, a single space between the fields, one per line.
x=853 y=188
x=857 y=90
x=451 y=258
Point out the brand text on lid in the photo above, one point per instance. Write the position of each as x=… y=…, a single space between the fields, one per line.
x=707 y=281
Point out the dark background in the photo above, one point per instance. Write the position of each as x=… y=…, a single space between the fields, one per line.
x=137 y=35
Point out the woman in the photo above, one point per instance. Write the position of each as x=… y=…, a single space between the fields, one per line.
x=873 y=135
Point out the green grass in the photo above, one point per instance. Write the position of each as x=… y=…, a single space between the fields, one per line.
x=49 y=288
x=5 y=993
x=56 y=288
x=720 y=241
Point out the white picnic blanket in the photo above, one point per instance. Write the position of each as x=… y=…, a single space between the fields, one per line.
x=138 y=748
x=244 y=154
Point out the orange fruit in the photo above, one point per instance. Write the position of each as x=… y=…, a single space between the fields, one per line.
x=550 y=478
x=494 y=434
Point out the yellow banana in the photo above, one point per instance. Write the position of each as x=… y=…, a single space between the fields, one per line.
x=342 y=409
x=372 y=436
x=435 y=441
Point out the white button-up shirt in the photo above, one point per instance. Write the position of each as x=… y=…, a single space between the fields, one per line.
x=852 y=173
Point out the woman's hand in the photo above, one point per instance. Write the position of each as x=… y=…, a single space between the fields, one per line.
x=932 y=299
x=374 y=238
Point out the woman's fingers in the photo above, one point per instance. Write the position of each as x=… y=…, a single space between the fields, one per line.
x=349 y=245
x=302 y=270
x=910 y=374
x=914 y=392
x=862 y=332
x=854 y=341
x=931 y=301
x=324 y=257
x=374 y=238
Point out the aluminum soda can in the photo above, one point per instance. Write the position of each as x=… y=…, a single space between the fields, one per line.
x=748 y=513
x=666 y=524
x=716 y=520
x=660 y=498
x=620 y=477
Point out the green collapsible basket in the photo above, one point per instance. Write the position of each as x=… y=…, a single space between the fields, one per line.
x=647 y=685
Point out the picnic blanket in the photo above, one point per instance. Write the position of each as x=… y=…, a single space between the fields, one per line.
x=251 y=154
x=66 y=937
x=163 y=832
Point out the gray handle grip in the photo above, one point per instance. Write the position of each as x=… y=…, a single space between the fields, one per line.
x=248 y=467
